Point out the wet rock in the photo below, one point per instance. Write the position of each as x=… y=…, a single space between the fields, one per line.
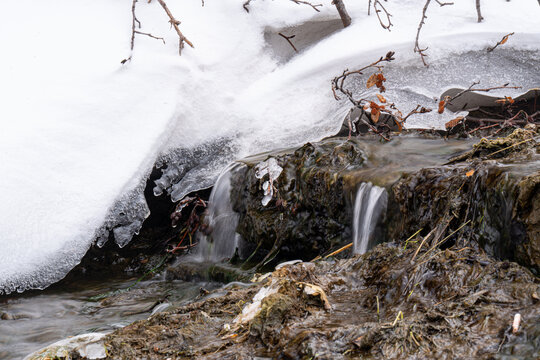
x=86 y=346
x=310 y=211
x=495 y=202
x=453 y=303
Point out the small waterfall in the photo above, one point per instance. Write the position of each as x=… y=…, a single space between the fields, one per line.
x=221 y=219
x=370 y=203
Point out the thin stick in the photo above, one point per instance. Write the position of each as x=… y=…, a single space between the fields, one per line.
x=175 y=23
x=388 y=15
x=422 y=243
x=511 y=146
x=410 y=237
x=308 y=3
x=150 y=35
x=339 y=250
x=503 y=40
x=443 y=240
x=417 y=47
x=288 y=38
x=480 y=17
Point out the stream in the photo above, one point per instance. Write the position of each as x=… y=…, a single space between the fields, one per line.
x=35 y=319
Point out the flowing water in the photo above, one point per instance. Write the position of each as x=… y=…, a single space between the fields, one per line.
x=33 y=320
x=223 y=241
x=369 y=205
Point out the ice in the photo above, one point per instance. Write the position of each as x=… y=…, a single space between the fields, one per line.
x=81 y=131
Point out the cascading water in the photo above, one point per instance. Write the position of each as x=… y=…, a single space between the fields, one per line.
x=369 y=205
x=222 y=220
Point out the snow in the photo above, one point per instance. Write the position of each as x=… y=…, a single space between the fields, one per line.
x=80 y=131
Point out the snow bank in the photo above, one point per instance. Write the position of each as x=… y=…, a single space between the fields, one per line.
x=80 y=131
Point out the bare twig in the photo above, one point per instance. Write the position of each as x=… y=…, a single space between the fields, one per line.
x=383 y=9
x=443 y=3
x=308 y=3
x=417 y=47
x=345 y=18
x=338 y=81
x=149 y=35
x=134 y=21
x=288 y=38
x=418 y=110
x=245 y=5
x=503 y=40
x=175 y=23
x=478 y=12
x=471 y=88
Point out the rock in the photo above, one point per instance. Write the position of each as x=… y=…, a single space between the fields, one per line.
x=86 y=346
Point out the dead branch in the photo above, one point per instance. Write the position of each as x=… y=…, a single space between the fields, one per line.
x=175 y=23
x=339 y=81
x=308 y=4
x=134 y=21
x=480 y=17
x=288 y=38
x=417 y=110
x=245 y=5
x=345 y=18
x=472 y=88
x=417 y=47
x=299 y=2
x=503 y=40
x=149 y=35
x=387 y=14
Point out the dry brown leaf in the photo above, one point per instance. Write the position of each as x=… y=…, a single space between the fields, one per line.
x=442 y=104
x=381 y=98
x=504 y=39
x=453 y=122
x=469 y=173
x=375 y=113
x=376 y=79
x=506 y=99
x=372 y=80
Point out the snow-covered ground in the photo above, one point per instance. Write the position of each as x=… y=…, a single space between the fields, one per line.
x=80 y=131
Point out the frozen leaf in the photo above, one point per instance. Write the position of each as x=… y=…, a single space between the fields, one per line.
x=504 y=39
x=376 y=79
x=442 y=104
x=453 y=122
x=506 y=99
x=381 y=98
x=375 y=113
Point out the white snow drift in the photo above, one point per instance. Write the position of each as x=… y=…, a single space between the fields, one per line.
x=80 y=131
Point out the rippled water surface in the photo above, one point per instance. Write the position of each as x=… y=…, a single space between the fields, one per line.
x=33 y=320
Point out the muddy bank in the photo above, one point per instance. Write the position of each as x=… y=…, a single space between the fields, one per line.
x=444 y=304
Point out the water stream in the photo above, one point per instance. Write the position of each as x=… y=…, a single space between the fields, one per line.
x=223 y=241
x=33 y=320
x=369 y=205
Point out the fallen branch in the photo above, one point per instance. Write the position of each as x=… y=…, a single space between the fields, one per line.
x=503 y=40
x=175 y=23
x=471 y=88
x=288 y=38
